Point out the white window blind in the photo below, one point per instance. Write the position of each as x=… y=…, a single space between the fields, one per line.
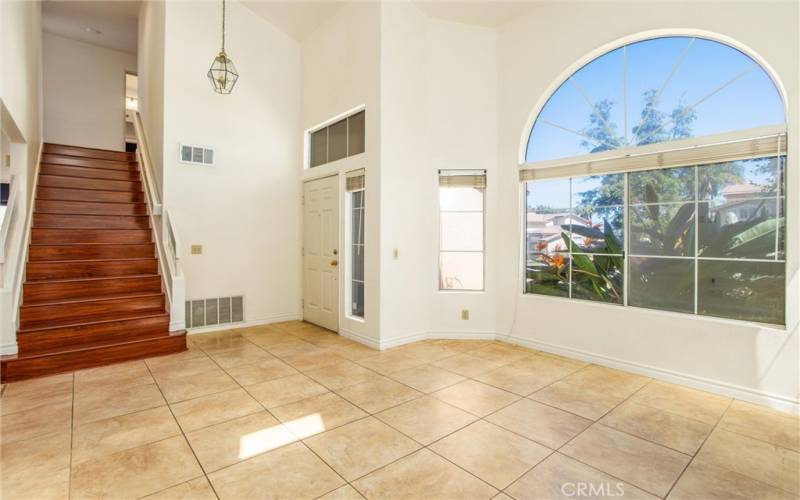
x=355 y=180
x=717 y=149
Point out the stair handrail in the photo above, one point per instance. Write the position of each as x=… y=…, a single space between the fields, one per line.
x=9 y=217
x=166 y=237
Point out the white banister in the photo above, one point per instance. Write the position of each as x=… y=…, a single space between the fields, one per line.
x=166 y=237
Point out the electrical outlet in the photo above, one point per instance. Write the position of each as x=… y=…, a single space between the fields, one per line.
x=465 y=314
x=197 y=249
x=396 y=254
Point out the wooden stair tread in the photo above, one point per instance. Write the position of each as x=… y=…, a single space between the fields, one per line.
x=95 y=278
x=96 y=320
x=82 y=349
x=97 y=298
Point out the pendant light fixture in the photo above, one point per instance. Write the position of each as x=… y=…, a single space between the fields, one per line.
x=223 y=74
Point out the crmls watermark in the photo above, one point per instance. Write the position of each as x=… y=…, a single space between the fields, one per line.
x=593 y=490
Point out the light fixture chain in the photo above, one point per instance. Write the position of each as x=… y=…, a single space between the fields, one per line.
x=223 y=25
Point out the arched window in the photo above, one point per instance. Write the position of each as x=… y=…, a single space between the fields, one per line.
x=654 y=178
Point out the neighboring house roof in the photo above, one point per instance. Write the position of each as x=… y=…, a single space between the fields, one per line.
x=742 y=190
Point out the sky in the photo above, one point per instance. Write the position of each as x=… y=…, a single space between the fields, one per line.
x=697 y=67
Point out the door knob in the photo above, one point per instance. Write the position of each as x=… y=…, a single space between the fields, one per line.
x=334 y=263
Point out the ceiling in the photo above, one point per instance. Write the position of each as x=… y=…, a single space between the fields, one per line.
x=117 y=22
x=299 y=18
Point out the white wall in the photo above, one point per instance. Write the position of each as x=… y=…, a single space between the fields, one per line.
x=533 y=51
x=151 y=82
x=341 y=71
x=438 y=93
x=21 y=122
x=84 y=93
x=245 y=209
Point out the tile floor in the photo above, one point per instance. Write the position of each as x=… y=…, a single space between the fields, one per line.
x=292 y=411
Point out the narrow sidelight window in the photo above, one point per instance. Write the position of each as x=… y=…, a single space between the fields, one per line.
x=355 y=235
x=461 y=233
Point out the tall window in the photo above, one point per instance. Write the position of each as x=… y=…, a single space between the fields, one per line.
x=655 y=178
x=461 y=234
x=355 y=259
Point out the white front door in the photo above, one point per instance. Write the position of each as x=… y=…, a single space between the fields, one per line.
x=321 y=252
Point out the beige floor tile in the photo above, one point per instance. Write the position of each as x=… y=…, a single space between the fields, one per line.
x=490 y=452
x=423 y=475
x=262 y=371
x=282 y=391
x=517 y=380
x=224 y=339
x=28 y=424
x=345 y=492
x=690 y=403
x=460 y=345
x=209 y=410
x=292 y=472
x=545 y=425
x=646 y=465
x=35 y=393
x=475 y=397
x=602 y=379
x=342 y=374
x=225 y=444
x=111 y=435
x=390 y=361
x=240 y=355
x=584 y=402
x=467 y=365
x=196 y=489
x=102 y=403
x=354 y=351
x=112 y=377
x=183 y=387
x=26 y=462
x=426 y=352
x=312 y=359
x=502 y=353
x=755 y=459
x=317 y=414
x=426 y=419
x=53 y=485
x=708 y=482
x=378 y=395
x=181 y=366
x=136 y=472
x=559 y=476
x=762 y=423
x=554 y=367
x=287 y=347
x=171 y=361
x=426 y=378
x=361 y=447
x=661 y=427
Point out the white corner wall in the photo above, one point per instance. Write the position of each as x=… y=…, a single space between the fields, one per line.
x=748 y=361
x=244 y=210
x=150 y=53
x=438 y=102
x=84 y=93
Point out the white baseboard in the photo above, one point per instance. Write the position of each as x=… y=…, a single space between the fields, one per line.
x=275 y=318
x=361 y=339
x=770 y=400
x=9 y=349
x=462 y=335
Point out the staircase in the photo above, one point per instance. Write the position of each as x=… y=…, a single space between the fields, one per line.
x=92 y=293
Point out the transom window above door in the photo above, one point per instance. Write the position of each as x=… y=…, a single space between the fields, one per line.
x=340 y=139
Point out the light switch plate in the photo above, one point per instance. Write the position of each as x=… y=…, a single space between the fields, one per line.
x=197 y=249
x=465 y=314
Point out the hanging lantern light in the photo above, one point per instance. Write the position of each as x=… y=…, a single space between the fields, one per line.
x=223 y=74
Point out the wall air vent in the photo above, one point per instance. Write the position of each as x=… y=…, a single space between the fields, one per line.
x=210 y=312
x=196 y=155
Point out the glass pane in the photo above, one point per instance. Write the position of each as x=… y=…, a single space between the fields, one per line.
x=782 y=230
x=662 y=229
x=743 y=228
x=337 y=140
x=598 y=190
x=666 y=284
x=661 y=186
x=319 y=147
x=357 y=227
x=752 y=291
x=597 y=277
x=357 y=306
x=358 y=262
x=355 y=134
x=737 y=180
x=548 y=197
x=547 y=274
x=599 y=232
x=461 y=231
x=461 y=199
x=461 y=270
x=358 y=198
